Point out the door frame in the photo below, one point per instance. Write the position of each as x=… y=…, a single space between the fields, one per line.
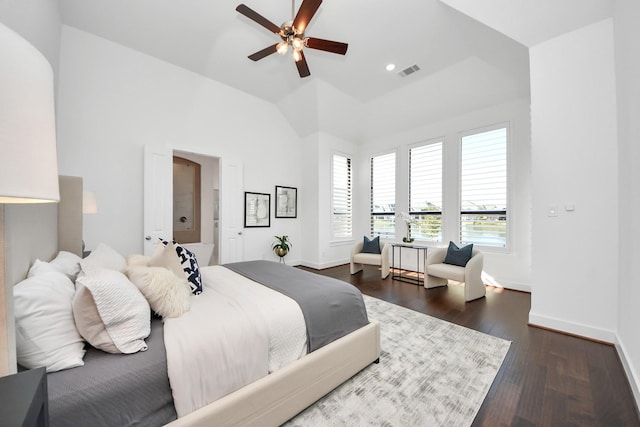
x=230 y=231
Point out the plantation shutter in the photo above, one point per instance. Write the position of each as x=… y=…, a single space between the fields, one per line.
x=383 y=195
x=341 y=221
x=483 y=188
x=425 y=191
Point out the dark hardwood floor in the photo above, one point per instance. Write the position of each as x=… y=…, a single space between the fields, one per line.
x=547 y=378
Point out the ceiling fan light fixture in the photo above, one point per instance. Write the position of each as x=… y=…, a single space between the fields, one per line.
x=282 y=48
x=292 y=33
x=297 y=43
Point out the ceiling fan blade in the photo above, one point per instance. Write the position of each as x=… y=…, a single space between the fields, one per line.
x=255 y=16
x=303 y=67
x=327 y=45
x=264 y=52
x=308 y=8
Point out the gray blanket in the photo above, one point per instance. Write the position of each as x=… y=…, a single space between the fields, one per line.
x=114 y=390
x=331 y=308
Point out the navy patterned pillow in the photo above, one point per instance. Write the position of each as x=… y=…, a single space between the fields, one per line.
x=190 y=266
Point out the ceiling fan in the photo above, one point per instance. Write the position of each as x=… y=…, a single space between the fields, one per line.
x=292 y=34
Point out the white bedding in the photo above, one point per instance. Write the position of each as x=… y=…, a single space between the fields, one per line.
x=236 y=332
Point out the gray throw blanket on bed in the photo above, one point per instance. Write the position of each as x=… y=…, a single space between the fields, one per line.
x=331 y=308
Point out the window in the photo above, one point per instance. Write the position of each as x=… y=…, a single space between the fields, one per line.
x=483 y=188
x=341 y=212
x=425 y=191
x=383 y=195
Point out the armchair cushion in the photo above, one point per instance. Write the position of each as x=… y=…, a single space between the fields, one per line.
x=458 y=256
x=371 y=246
x=448 y=271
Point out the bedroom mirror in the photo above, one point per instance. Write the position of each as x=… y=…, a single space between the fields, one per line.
x=186 y=200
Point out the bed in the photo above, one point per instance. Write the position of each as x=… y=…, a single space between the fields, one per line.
x=141 y=380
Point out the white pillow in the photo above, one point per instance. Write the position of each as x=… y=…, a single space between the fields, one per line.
x=68 y=263
x=110 y=312
x=65 y=262
x=41 y=267
x=104 y=257
x=167 y=294
x=46 y=334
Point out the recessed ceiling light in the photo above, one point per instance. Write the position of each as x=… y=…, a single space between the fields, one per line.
x=391 y=67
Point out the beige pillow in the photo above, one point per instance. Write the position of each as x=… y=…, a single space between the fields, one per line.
x=137 y=259
x=165 y=256
x=167 y=294
x=110 y=312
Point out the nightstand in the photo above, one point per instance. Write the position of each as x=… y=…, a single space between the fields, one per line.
x=23 y=399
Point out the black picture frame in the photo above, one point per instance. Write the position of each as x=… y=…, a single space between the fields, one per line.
x=257 y=209
x=286 y=202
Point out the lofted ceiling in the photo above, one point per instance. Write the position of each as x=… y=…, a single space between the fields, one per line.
x=464 y=65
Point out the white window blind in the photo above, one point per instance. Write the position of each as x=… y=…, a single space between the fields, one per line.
x=383 y=195
x=483 y=188
x=341 y=220
x=425 y=191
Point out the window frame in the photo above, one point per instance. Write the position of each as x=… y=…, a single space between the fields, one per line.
x=508 y=176
x=441 y=141
x=392 y=215
x=349 y=157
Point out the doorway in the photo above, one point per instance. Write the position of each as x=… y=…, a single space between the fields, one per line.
x=196 y=201
x=186 y=200
x=222 y=204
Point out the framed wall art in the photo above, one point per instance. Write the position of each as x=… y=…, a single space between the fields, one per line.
x=286 y=202
x=257 y=209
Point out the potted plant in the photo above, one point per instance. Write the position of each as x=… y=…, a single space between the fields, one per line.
x=406 y=217
x=281 y=246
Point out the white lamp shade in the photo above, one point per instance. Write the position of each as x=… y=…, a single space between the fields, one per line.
x=28 y=160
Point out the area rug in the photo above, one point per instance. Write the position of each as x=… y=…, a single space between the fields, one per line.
x=431 y=373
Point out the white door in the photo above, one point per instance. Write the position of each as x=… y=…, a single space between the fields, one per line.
x=231 y=212
x=158 y=203
x=158 y=196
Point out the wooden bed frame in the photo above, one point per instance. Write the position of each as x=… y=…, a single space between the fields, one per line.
x=270 y=401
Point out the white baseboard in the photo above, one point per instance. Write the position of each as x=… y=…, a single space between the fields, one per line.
x=572 y=328
x=629 y=370
x=522 y=287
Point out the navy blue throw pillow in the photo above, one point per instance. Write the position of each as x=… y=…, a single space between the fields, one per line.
x=458 y=256
x=371 y=246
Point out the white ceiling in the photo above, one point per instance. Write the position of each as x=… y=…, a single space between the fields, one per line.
x=464 y=65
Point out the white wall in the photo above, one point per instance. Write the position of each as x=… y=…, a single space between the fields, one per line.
x=308 y=201
x=627 y=34
x=575 y=162
x=321 y=250
x=510 y=269
x=114 y=100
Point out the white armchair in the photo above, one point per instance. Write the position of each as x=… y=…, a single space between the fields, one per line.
x=439 y=273
x=358 y=259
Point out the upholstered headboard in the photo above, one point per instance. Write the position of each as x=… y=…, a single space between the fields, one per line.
x=70 y=215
